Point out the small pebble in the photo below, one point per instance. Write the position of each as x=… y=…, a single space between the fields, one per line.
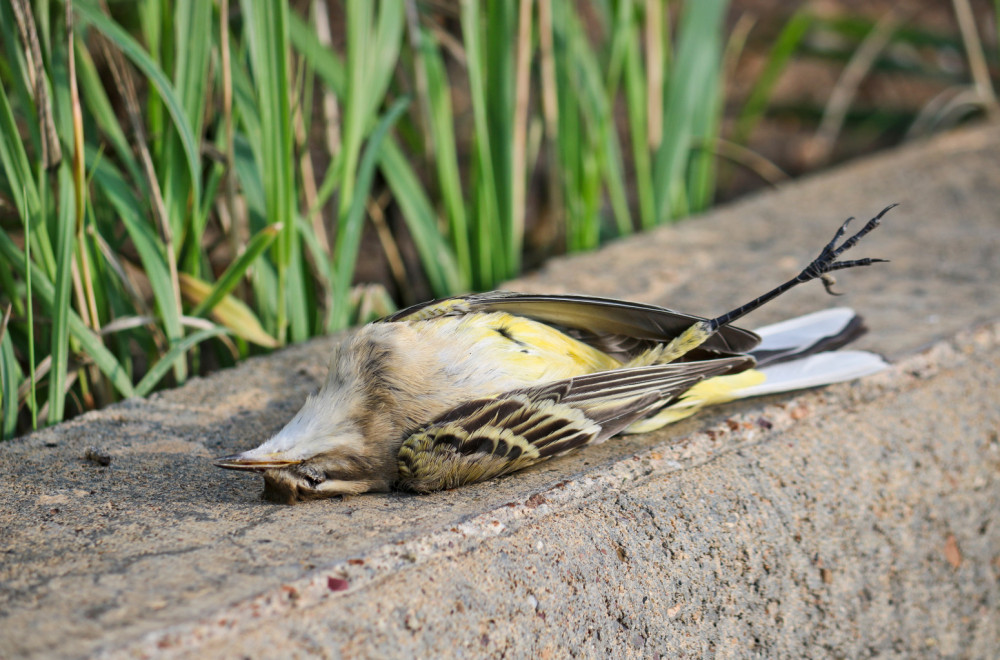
x=98 y=456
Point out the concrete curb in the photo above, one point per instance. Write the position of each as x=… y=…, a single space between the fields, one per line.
x=334 y=606
x=859 y=519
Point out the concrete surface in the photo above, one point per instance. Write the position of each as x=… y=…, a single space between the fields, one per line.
x=861 y=519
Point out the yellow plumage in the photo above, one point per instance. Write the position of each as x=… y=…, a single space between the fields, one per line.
x=711 y=392
x=535 y=351
x=460 y=390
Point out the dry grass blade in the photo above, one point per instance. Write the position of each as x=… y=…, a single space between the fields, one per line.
x=51 y=151
x=977 y=60
x=945 y=110
x=132 y=322
x=6 y=320
x=237 y=230
x=820 y=147
x=71 y=379
x=41 y=371
x=79 y=184
x=450 y=44
x=420 y=78
x=550 y=113
x=230 y=312
x=748 y=158
x=389 y=246
x=132 y=110
x=654 y=73
x=522 y=77
x=307 y=173
x=127 y=323
x=331 y=109
x=372 y=302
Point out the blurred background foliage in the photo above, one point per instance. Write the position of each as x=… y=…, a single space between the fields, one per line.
x=186 y=183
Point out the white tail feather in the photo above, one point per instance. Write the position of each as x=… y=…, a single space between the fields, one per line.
x=815 y=370
x=781 y=371
x=803 y=331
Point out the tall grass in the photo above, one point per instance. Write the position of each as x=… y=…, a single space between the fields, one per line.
x=172 y=198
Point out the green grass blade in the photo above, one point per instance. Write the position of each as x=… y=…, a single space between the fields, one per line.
x=704 y=132
x=490 y=249
x=360 y=17
x=785 y=47
x=193 y=46
x=435 y=254
x=104 y=359
x=578 y=146
x=89 y=342
x=176 y=352
x=372 y=46
x=154 y=29
x=92 y=16
x=59 y=350
x=499 y=40
x=622 y=33
x=10 y=380
x=635 y=103
x=264 y=277
x=349 y=233
x=32 y=401
x=324 y=62
x=388 y=39
x=266 y=30
x=236 y=270
x=251 y=182
x=698 y=57
x=595 y=105
x=442 y=125
x=322 y=264
x=192 y=30
x=248 y=142
x=102 y=112
x=110 y=183
x=14 y=159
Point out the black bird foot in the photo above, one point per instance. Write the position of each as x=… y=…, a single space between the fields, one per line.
x=826 y=262
x=820 y=268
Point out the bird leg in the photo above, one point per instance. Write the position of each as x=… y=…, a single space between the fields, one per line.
x=819 y=268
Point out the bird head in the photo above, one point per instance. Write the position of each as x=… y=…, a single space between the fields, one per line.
x=337 y=444
x=320 y=453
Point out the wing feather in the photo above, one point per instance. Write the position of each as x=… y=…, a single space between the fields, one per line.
x=485 y=438
x=613 y=326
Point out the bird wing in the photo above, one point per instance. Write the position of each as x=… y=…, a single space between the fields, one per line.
x=484 y=438
x=619 y=328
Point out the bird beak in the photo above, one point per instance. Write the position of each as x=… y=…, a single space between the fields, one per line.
x=252 y=463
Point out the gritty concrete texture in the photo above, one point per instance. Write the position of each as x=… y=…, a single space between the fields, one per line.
x=860 y=519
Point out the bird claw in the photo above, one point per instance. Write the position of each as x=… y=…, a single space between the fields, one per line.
x=819 y=269
x=829 y=281
x=827 y=262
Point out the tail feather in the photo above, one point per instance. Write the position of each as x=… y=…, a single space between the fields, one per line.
x=801 y=352
x=826 y=330
x=813 y=371
x=794 y=354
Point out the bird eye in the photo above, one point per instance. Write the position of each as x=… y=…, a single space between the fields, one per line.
x=311 y=474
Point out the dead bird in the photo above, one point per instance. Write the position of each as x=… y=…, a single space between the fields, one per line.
x=464 y=389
